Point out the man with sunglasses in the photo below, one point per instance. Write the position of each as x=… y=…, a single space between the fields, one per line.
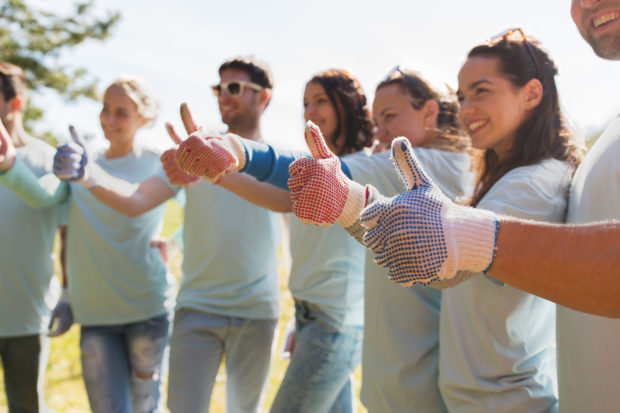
x=228 y=303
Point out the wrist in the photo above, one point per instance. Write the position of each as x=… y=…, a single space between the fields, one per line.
x=474 y=238
x=239 y=151
x=355 y=203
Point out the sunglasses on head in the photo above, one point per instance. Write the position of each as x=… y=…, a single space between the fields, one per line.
x=234 y=87
x=414 y=83
x=516 y=33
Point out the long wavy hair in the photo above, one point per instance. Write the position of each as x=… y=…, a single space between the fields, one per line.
x=349 y=101
x=544 y=133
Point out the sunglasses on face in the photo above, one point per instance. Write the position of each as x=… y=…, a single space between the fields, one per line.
x=518 y=35
x=234 y=88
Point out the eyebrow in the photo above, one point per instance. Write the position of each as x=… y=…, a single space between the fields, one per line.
x=478 y=83
x=382 y=113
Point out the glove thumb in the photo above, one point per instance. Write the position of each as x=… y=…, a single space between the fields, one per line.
x=407 y=165
x=316 y=142
x=188 y=120
x=76 y=137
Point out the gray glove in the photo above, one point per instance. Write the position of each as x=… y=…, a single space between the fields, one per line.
x=63 y=313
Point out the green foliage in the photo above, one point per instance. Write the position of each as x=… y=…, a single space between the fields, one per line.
x=34 y=40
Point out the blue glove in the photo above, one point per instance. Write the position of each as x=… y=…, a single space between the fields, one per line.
x=71 y=162
x=61 y=313
x=420 y=234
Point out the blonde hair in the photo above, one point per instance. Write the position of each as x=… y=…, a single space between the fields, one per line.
x=141 y=93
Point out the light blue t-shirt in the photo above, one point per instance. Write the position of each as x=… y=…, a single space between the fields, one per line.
x=401 y=325
x=588 y=356
x=29 y=290
x=328 y=270
x=497 y=343
x=115 y=276
x=230 y=255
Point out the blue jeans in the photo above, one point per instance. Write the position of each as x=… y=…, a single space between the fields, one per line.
x=319 y=376
x=199 y=341
x=122 y=365
x=24 y=360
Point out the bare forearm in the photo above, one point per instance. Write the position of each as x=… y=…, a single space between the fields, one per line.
x=259 y=193
x=575 y=266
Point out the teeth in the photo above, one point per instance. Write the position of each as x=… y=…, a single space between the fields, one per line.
x=476 y=124
x=606 y=18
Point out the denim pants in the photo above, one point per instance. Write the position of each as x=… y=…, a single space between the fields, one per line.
x=199 y=341
x=319 y=377
x=122 y=365
x=24 y=360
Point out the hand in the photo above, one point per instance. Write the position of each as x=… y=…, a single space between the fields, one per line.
x=7 y=150
x=168 y=248
x=71 y=162
x=208 y=156
x=61 y=313
x=321 y=193
x=175 y=174
x=420 y=234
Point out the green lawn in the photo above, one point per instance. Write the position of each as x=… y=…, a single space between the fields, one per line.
x=64 y=388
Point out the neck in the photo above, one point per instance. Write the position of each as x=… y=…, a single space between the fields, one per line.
x=251 y=132
x=16 y=130
x=119 y=149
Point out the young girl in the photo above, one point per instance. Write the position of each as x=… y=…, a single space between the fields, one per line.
x=326 y=278
x=497 y=343
x=119 y=287
x=400 y=349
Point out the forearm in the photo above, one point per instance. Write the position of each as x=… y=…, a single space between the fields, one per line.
x=259 y=193
x=62 y=236
x=37 y=192
x=574 y=266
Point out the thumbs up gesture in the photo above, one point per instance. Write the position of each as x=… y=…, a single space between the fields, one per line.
x=420 y=234
x=7 y=149
x=208 y=156
x=71 y=162
x=321 y=193
x=175 y=174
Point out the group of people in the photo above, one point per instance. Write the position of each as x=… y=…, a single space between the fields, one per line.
x=459 y=336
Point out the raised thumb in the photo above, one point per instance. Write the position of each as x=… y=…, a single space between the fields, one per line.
x=407 y=164
x=316 y=142
x=75 y=136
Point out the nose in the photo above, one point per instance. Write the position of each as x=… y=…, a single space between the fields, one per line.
x=381 y=133
x=465 y=108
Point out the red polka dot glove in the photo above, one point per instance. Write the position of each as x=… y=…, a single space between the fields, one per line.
x=321 y=193
x=420 y=234
x=175 y=174
x=209 y=156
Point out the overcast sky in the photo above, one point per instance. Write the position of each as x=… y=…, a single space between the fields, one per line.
x=179 y=45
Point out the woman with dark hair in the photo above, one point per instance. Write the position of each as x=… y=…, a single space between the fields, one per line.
x=497 y=343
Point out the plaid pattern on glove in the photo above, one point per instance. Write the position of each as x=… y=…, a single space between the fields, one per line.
x=320 y=191
x=420 y=234
x=210 y=156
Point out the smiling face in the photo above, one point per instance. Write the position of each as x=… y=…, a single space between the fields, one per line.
x=491 y=106
x=598 y=21
x=395 y=116
x=319 y=109
x=119 y=117
x=242 y=110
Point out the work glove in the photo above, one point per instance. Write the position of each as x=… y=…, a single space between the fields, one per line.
x=71 y=162
x=62 y=316
x=206 y=155
x=175 y=174
x=421 y=235
x=321 y=193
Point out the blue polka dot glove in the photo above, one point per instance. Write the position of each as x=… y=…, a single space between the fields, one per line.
x=71 y=162
x=420 y=234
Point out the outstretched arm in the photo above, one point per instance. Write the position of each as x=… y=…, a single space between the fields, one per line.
x=577 y=266
x=259 y=193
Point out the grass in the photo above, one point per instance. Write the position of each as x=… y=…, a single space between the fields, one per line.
x=64 y=388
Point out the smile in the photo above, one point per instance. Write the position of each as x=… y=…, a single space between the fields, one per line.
x=476 y=125
x=604 y=19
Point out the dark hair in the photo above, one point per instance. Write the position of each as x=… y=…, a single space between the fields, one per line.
x=259 y=71
x=449 y=136
x=12 y=81
x=544 y=133
x=346 y=94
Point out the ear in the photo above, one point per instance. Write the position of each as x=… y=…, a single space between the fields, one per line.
x=264 y=96
x=17 y=103
x=430 y=110
x=532 y=94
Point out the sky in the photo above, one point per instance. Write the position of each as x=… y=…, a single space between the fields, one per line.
x=178 y=47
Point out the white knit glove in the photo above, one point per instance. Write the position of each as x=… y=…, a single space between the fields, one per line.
x=71 y=162
x=420 y=234
x=321 y=193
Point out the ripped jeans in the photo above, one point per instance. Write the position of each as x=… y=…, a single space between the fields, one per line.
x=122 y=365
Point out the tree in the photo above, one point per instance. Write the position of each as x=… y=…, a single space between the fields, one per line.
x=34 y=39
